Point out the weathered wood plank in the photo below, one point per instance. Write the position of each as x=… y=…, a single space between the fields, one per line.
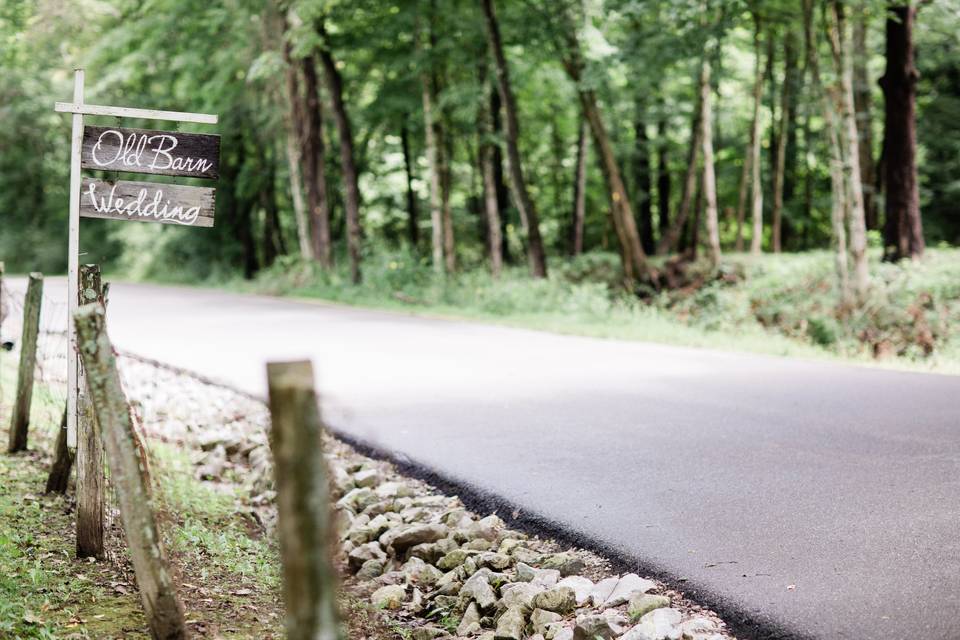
x=78 y=107
x=157 y=593
x=147 y=202
x=168 y=153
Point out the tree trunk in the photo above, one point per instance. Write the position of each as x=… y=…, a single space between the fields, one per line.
x=634 y=258
x=663 y=178
x=445 y=147
x=413 y=224
x=756 y=208
x=490 y=205
x=709 y=188
x=294 y=127
x=862 y=106
x=313 y=163
x=744 y=188
x=838 y=190
x=348 y=166
x=580 y=190
x=779 y=170
x=668 y=241
x=528 y=212
x=905 y=226
x=840 y=47
x=643 y=187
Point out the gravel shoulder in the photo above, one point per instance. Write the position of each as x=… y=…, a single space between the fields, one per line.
x=427 y=565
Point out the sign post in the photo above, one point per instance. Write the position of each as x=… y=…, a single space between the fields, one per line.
x=168 y=153
x=139 y=151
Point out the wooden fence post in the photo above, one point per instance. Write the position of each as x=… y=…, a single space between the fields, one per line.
x=160 y=602
x=59 y=477
x=28 y=361
x=305 y=524
x=90 y=477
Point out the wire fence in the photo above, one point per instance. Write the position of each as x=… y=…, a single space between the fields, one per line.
x=50 y=380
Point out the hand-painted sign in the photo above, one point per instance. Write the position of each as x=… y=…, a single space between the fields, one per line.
x=147 y=202
x=168 y=153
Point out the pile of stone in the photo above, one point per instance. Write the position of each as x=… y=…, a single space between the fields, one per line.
x=419 y=556
x=474 y=578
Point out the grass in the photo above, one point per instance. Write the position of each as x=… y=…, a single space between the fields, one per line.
x=227 y=570
x=781 y=305
x=229 y=579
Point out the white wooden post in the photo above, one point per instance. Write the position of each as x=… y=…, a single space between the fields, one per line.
x=73 y=260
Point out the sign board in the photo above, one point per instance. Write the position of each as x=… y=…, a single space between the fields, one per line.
x=168 y=153
x=147 y=202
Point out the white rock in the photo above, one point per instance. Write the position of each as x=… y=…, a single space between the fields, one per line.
x=626 y=587
x=581 y=587
x=602 y=590
x=519 y=594
x=659 y=624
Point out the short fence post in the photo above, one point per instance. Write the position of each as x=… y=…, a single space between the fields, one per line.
x=90 y=477
x=28 y=361
x=59 y=477
x=160 y=602
x=305 y=524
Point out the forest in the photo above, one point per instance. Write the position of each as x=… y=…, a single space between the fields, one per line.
x=658 y=149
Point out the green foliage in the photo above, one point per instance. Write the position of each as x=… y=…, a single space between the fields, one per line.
x=776 y=304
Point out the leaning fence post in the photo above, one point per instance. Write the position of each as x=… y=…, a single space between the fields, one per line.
x=305 y=525
x=160 y=602
x=90 y=480
x=20 y=420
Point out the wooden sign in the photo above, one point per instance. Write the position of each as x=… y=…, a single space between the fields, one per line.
x=168 y=153
x=147 y=202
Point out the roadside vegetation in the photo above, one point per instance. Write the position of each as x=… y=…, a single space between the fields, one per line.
x=783 y=304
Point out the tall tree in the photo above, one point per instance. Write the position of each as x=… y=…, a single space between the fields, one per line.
x=491 y=207
x=294 y=126
x=642 y=178
x=904 y=227
x=783 y=134
x=413 y=221
x=348 y=167
x=528 y=212
x=862 y=102
x=756 y=208
x=313 y=163
x=839 y=38
x=838 y=211
x=668 y=241
x=579 y=190
x=428 y=92
x=663 y=177
x=709 y=188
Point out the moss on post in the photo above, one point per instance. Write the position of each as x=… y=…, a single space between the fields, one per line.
x=305 y=526
x=160 y=602
x=20 y=421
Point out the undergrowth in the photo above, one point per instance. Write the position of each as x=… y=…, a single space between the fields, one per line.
x=784 y=304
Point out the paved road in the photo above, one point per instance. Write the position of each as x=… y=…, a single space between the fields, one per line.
x=818 y=499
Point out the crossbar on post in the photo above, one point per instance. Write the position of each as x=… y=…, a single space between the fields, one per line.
x=78 y=107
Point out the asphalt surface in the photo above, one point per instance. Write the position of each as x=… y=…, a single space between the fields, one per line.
x=814 y=499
